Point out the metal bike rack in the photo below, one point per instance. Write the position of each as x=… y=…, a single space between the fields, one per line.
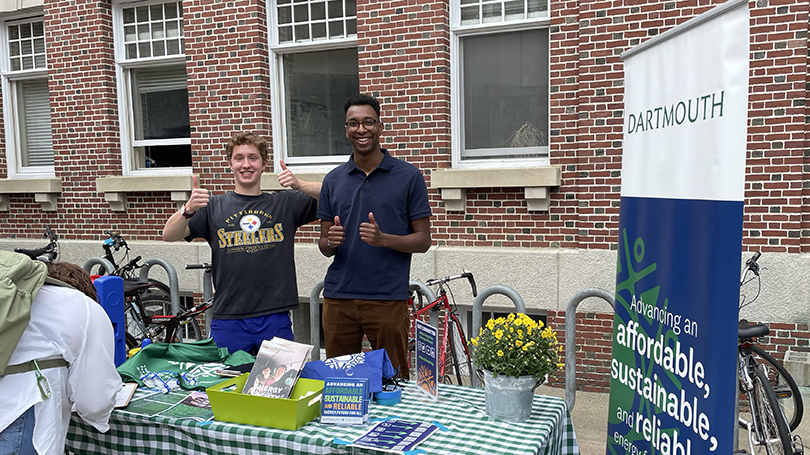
x=108 y=266
x=315 y=319
x=315 y=314
x=478 y=305
x=570 y=339
x=174 y=287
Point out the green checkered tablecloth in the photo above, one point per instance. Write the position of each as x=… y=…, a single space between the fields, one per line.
x=461 y=410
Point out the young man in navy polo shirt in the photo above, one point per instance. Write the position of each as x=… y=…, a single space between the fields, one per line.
x=374 y=213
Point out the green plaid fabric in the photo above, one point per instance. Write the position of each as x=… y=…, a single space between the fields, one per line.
x=461 y=410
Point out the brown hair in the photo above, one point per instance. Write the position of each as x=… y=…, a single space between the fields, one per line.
x=247 y=139
x=73 y=275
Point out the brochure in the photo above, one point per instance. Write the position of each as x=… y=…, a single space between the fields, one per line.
x=345 y=401
x=277 y=367
x=395 y=436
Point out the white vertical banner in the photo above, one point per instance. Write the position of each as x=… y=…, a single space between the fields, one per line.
x=673 y=371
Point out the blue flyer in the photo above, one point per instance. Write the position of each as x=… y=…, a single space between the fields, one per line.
x=395 y=436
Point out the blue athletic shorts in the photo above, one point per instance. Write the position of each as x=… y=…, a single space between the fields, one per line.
x=247 y=334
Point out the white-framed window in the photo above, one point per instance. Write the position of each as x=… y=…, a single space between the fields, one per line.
x=152 y=87
x=26 y=100
x=499 y=52
x=314 y=70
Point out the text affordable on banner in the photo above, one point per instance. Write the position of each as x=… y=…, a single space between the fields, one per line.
x=674 y=362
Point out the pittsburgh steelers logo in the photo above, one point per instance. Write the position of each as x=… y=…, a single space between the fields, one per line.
x=250 y=223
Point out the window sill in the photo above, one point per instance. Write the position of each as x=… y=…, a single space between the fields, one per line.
x=45 y=191
x=453 y=184
x=115 y=189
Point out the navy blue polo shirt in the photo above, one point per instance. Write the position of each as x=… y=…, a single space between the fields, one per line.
x=396 y=193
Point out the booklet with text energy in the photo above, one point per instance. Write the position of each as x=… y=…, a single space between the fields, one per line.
x=277 y=367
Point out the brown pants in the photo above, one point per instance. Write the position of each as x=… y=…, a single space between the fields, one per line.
x=384 y=322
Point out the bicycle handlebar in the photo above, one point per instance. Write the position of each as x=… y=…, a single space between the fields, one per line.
x=49 y=250
x=204 y=265
x=467 y=275
x=751 y=264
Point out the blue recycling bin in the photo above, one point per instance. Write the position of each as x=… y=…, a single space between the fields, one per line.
x=110 y=291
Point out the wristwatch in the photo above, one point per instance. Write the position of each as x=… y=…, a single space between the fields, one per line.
x=185 y=214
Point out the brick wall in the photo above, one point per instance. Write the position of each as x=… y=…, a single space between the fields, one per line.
x=403 y=52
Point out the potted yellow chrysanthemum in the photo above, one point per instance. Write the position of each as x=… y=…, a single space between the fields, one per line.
x=516 y=353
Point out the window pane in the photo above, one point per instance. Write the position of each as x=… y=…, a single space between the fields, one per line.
x=157 y=31
x=129 y=15
x=157 y=12
x=160 y=102
x=28 y=63
x=505 y=85
x=142 y=14
x=301 y=32
x=301 y=13
x=36 y=144
x=351 y=27
x=39 y=61
x=162 y=156
x=172 y=30
x=39 y=45
x=158 y=49
x=13 y=32
x=335 y=8
x=316 y=84
x=319 y=30
x=285 y=34
x=536 y=7
x=335 y=29
x=285 y=15
x=172 y=10
x=469 y=15
x=492 y=13
x=15 y=48
x=173 y=46
x=514 y=10
x=318 y=11
x=25 y=30
x=38 y=29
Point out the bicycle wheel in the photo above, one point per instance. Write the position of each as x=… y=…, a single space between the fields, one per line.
x=460 y=353
x=156 y=304
x=782 y=383
x=773 y=432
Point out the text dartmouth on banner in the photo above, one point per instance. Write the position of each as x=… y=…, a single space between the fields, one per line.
x=673 y=371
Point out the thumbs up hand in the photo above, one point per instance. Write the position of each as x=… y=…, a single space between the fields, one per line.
x=199 y=196
x=370 y=231
x=336 y=234
x=287 y=179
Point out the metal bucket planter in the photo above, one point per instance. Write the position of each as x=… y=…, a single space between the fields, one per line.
x=509 y=398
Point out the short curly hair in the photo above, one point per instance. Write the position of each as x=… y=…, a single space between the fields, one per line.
x=73 y=275
x=247 y=139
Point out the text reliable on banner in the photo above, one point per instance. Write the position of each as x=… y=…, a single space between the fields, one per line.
x=674 y=362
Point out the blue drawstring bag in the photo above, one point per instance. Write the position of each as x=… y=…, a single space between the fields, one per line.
x=374 y=365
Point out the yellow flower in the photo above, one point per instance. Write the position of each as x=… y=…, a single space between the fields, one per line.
x=518 y=343
x=511 y=317
x=499 y=334
x=474 y=341
x=526 y=348
x=500 y=353
x=518 y=321
x=490 y=324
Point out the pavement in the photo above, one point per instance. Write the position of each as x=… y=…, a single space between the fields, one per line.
x=590 y=416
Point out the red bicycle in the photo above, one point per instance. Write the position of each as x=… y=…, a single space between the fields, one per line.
x=457 y=367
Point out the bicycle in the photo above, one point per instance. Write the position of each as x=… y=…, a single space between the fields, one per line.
x=453 y=339
x=49 y=253
x=147 y=304
x=771 y=391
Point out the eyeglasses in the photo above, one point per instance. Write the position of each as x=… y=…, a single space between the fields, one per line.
x=153 y=380
x=368 y=123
